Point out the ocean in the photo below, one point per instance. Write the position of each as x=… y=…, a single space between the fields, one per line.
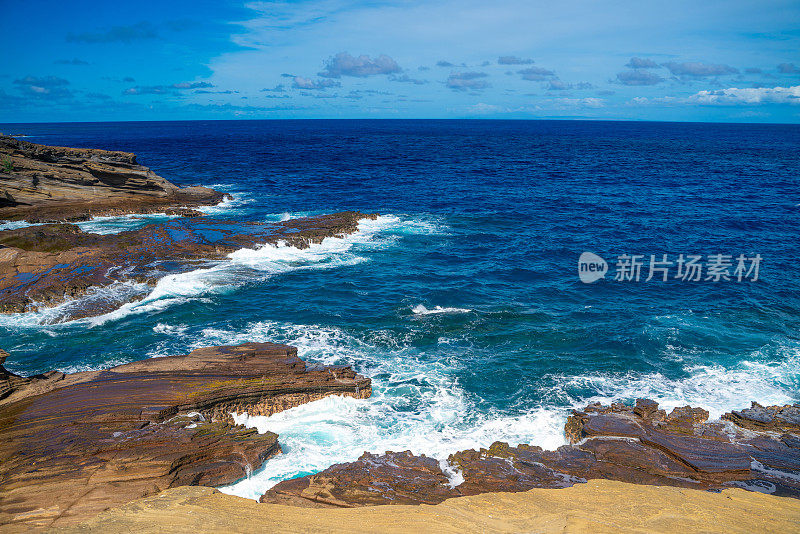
x=463 y=300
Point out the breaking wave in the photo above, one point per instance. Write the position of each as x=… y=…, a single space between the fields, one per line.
x=716 y=388
x=114 y=224
x=418 y=403
x=419 y=309
x=236 y=200
x=242 y=266
x=110 y=296
x=13 y=225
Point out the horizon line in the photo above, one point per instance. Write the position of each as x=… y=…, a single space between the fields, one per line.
x=396 y=119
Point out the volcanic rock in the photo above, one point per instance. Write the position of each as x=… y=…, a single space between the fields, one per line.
x=776 y=418
x=48 y=264
x=40 y=183
x=74 y=445
x=641 y=444
x=390 y=478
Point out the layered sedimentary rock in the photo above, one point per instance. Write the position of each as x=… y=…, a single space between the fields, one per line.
x=40 y=183
x=47 y=264
x=74 y=445
x=771 y=418
x=640 y=444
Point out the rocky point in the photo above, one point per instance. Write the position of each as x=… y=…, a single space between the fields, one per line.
x=76 y=444
x=40 y=183
x=48 y=264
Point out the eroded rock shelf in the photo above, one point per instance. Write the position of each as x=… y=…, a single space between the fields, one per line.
x=46 y=265
x=40 y=183
x=74 y=445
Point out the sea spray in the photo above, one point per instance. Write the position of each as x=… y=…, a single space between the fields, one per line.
x=420 y=309
x=243 y=266
x=114 y=224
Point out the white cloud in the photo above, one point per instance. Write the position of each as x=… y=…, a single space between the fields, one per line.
x=645 y=101
x=588 y=102
x=482 y=109
x=467 y=81
x=699 y=70
x=316 y=85
x=343 y=64
x=752 y=95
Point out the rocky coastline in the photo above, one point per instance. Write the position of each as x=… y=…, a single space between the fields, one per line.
x=77 y=445
x=54 y=261
x=756 y=448
x=43 y=266
x=40 y=184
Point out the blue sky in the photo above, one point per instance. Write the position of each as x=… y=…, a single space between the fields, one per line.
x=730 y=61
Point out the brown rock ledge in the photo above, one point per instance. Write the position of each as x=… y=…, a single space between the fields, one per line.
x=597 y=506
x=40 y=183
x=640 y=444
x=48 y=264
x=74 y=445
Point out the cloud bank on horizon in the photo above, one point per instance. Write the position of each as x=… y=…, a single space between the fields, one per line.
x=734 y=61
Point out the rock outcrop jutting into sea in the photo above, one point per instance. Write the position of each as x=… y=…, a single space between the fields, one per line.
x=47 y=264
x=74 y=445
x=40 y=183
x=640 y=444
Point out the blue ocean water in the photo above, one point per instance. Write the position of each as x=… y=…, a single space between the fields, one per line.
x=462 y=301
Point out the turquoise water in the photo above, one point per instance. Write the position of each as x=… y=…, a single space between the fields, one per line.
x=462 y=301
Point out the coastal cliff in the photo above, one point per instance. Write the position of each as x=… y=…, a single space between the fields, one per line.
x=77 y=444
x=40 y=183
x=158 y=434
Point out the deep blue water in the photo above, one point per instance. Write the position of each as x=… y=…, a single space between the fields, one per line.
x=486 y=219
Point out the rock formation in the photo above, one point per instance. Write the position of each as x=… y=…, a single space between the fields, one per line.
x=41 y=183
x=45 y=265
x=640 y=444
x=74 y=445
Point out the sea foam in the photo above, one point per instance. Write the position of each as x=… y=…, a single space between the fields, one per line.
x=716 y=388
x=419 y=309
x=114 y=224
x=242 y=266
x=13 y=225
x=419 y=405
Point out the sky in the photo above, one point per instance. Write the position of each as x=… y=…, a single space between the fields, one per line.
x=716 y=61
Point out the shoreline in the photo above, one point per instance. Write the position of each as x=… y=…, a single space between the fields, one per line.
x=167 y=422
x=75 y=445
x=48 y=265
x=141 y=428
